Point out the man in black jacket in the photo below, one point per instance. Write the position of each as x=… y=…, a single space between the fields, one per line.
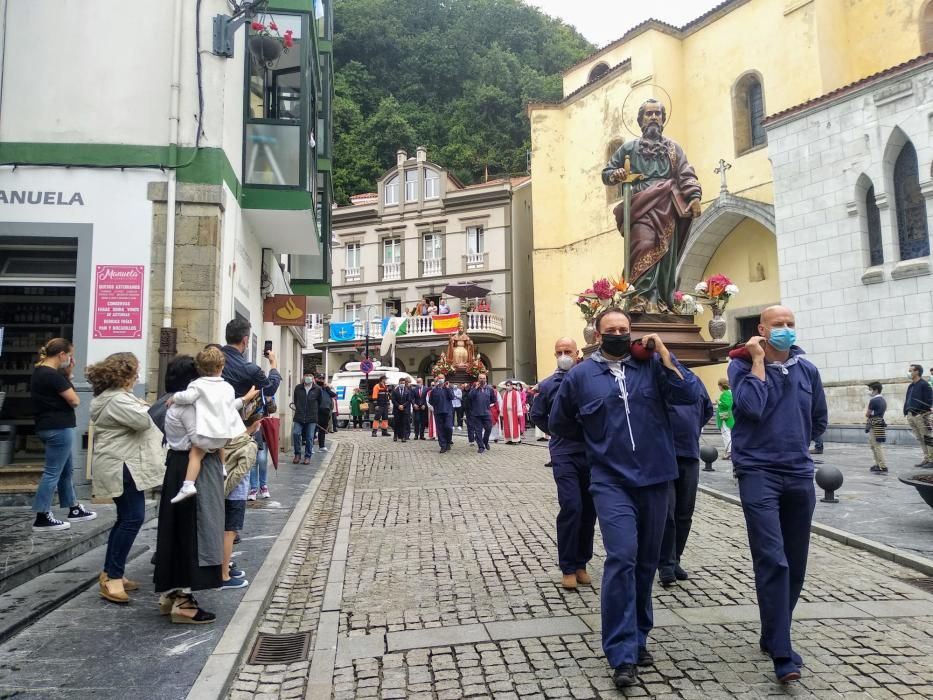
x=306 y=400
x=401 y=407
x=917 y=406
x=419 y=408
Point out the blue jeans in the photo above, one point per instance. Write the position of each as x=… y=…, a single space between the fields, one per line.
x=131 y=512
x=303 y=432
x=258 y=475
x=58 y=468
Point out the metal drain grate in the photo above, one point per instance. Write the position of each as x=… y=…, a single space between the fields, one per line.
x=924 y=584
x=280 y=648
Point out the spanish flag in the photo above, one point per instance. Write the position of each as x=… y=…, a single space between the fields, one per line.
x=447 y=323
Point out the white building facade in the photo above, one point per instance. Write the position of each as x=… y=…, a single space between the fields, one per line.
x=853 y=189
x=151 y=190
x=421 y=231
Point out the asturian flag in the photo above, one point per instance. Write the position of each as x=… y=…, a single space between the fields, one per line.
x=342 y=331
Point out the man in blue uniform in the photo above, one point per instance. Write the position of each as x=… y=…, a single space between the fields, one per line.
x=618 y=406
x=779 y=406
x=482 y=397
x=687 y=422
x=576 y=519
x=442 y=398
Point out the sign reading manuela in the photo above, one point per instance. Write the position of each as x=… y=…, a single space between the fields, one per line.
x=39 y=197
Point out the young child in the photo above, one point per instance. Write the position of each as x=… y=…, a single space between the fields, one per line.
x=217 y=417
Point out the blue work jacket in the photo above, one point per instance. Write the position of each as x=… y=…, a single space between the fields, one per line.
x=442 y=398
x=541 y=410
x=688 y=421
x=776 y=419
x=481 y=398
x=589 y=408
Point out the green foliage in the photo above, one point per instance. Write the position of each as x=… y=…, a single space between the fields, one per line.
x=452 y=75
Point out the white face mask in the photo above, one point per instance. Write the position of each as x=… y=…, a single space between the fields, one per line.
x=564 y=363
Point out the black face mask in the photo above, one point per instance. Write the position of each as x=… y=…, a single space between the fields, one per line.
x=615 y=345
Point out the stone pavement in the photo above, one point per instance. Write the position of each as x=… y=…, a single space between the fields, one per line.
x=421 y=575
x=875 y=506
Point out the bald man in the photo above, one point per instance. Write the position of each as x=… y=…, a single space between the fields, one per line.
x=576 y=520
x=779 y=406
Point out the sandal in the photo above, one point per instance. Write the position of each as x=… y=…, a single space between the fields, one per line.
x=112 y=589
x=187 y=602
x=167 y=602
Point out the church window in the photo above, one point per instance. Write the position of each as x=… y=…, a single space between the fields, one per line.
x=913 y=237
x=598 y=71
x=873 y=216
x=748 y=113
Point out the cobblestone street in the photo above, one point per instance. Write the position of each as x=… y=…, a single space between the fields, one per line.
x=423 y=575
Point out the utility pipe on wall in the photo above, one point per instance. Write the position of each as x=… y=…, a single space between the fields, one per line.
x=173 y=139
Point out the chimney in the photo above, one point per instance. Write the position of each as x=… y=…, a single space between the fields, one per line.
x=401 y=157
x=422 y=154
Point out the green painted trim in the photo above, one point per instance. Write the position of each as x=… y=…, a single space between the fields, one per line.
x=311 y=288
x=325 y=46
x=268 y=198
x=291 y=6
x=208 y=166
x=324 y=165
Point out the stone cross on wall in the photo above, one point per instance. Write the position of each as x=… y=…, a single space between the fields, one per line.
x=721 y=171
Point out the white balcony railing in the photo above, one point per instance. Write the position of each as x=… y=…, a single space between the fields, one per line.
x=432 y=267
x=314 y=330
x=475 y=322
x=352 y=274
x=480 y=322
x=475 y=261
x=392 y=271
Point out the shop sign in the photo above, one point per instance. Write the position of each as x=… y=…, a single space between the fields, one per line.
x=285 y=310
x=38 y=197
x=118 y=301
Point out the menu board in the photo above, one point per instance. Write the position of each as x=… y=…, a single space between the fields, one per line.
x=118 y=301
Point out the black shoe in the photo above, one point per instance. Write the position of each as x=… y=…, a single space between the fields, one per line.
x=46 y=522
x=644 y=657
x=395 y=439
x=625 y=676
x=680 y=574
x=237 y=540
x=78 y=513
x=385 y=433
x=549 y=464
x=794 y=656
x=878 y=470
x=666 y=577
x=374 y=433
x=926 y=465
x=480 y=450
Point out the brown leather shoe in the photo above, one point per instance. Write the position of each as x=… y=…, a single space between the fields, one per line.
x=569 y=581
x=583 y=577
x=130 y=585
x=112 y=589
x=296 y=459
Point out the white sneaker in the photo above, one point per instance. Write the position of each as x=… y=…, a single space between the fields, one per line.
x=323 y=449
x=186 y=491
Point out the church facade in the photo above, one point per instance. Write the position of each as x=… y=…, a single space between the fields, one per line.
x=719 y=76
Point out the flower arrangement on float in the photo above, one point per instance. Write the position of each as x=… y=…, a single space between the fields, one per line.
x=442 y=366
x=605 y=293
x=716 y=292
x=476 y=368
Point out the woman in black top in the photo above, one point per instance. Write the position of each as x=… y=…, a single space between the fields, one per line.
x=54 y=401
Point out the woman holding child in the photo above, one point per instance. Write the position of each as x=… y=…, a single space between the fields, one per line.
x=127 y=453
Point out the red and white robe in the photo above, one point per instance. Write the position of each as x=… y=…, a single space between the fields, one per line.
x=432 y=430
x=512 y=414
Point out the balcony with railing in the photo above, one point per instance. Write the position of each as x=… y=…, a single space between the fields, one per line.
x=476 y=323
x=391 y=271
x=432 y=267
x=314 y=330
x=352 y=274
x=476 y=261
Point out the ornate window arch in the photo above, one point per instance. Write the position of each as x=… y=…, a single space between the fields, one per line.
x=748 y=112
x=913 y=236
x=597 y=71
x=866 y=207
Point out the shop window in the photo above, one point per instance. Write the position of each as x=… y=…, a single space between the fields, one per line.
x=912 y=233
x=873 y=220
x=748 y=113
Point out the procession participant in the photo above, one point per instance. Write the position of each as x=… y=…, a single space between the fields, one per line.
x=442 y=401
x=687 y=422
x=779 y=406
x=725 y=421
x=495 y=413
x=482 y=400
x=876 y=427
x=419 y=408
x=356 y=403
x=306 y=398
x=618 y=406
x=512 y=412
x=576 y=520
x=401 y=407
x=381 y=407
x=917 y=406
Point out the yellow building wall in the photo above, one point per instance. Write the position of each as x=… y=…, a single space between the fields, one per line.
x=748 y=245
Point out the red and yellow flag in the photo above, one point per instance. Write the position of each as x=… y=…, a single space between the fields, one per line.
x=447 y=323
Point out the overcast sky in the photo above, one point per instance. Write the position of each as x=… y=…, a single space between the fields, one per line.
x=603 y=21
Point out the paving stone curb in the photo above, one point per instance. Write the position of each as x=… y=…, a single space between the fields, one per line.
x=898 y=556
x=219 y=671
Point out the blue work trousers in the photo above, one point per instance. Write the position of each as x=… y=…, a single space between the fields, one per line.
x=683 y=501
x=444 y=423
x=631 y=520
x=576 y=520
x=482 y=429
x=778 y=510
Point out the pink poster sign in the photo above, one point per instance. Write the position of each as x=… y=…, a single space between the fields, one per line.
x=118 y=301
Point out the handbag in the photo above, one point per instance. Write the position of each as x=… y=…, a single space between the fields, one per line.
x=364 y=406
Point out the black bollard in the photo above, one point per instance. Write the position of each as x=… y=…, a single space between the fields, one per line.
x=709 y=455
x=829 y=479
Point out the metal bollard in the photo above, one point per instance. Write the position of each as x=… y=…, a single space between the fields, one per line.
x=829 y=479
x=709 y=455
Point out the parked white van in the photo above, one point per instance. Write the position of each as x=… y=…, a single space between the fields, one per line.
x=346 y=382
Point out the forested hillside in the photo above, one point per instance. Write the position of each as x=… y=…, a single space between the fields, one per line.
x=453 y=75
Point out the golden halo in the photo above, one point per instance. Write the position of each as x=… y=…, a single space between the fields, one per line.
x=634 y=100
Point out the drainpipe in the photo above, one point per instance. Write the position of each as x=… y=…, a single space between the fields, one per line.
x=168 y=335
x=3 y=5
